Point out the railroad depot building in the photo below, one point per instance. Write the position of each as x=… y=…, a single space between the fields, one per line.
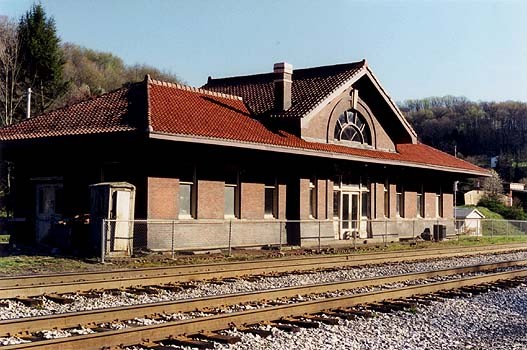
x=289 y=156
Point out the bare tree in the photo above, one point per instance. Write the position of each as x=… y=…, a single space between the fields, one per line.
x=11 y=92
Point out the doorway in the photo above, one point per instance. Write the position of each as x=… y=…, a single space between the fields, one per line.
x=349 y=215
x=48 y=208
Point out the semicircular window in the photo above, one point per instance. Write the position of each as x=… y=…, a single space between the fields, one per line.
x=352 y=127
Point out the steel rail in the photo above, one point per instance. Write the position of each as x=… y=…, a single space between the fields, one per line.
x=136 y=335
x=229 y=270
x=70 y=320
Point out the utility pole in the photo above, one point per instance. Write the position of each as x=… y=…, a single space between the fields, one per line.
x=28 y=114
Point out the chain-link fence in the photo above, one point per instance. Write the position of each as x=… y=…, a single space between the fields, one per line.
x=123 y=238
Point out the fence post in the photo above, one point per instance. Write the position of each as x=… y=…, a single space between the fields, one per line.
x=103 y=240
x=319 y=248
x=173 y=238
x=413 y=232
x=280 y=238
x=492 y=228
x=230 y=236
x=385 y=232
x=507 y=232
x=355 y=239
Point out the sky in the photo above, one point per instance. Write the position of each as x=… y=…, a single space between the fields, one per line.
x=476 y=49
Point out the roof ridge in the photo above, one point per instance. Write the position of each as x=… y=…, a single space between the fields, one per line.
x=191 y=88
x=360 y=66
x=246 y=76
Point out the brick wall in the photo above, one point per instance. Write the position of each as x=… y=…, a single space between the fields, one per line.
x=448 y=205
x=393 y=200
x=163 y=197
x=379 y=201
x=321 y=199
x=281 y=201
x=410 y=204
x=252 y=201
x=430 y=205
x=210 y=199
x=329 y=199
x=304 y=199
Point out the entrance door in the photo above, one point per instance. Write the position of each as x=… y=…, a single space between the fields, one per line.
x=120 y=236
x=349 y=216
x=48 y=208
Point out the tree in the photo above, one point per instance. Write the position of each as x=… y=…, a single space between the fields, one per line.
x=493 y=185
x=11 y=91
x=92 y=73
x=41 y=58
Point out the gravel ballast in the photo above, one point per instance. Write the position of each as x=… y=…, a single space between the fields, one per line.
x=201 y=289
x=493 y=320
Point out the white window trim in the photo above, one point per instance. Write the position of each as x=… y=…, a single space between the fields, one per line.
x=312 y=203
x=236 y=202
x=192 y=215
x=274 y=214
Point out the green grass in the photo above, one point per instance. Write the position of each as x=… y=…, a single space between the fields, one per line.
x=497 y=228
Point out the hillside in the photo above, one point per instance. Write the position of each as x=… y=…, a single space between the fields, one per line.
x=479 y=130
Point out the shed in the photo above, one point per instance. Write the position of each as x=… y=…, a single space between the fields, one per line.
x=468 y=221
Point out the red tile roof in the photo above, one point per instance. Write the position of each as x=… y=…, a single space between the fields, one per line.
x=176 y=110
x=111 y=112
x=202 y=113
x=310 y=87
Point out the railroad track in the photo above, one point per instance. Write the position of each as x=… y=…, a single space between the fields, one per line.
x=287 y=312
x=34 y=285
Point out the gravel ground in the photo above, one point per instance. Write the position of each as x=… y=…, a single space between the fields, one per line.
x=494 y=320
x=18 y=310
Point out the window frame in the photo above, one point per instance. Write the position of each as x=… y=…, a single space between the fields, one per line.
x=350 y=119
x=399 y=197
x=236 y=202
x=386 y=198
x=313 y=200
x=439 y=204
x=274 y=204
x=192 y=201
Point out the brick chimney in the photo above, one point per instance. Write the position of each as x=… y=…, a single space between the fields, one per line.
x=283 y=72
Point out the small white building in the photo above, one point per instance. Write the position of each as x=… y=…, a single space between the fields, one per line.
x=468 y=221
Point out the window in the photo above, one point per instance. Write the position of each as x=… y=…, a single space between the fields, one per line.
x=352 y=127
x=386 y=199
x=312 y=200
x=399 y=206
x=336 y=203
x=420 y=204
x=365 y=201
x=186 y=202
x=439 y=205
x=231 y=201
x=271 y=202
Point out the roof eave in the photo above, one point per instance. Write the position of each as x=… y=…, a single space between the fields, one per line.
x=306 y=152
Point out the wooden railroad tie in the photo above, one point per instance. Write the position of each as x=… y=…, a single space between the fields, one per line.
x=170 y=287
x=59 y=299
x=180 y=341
x=89 y=295
x=142 y=290
x=31 y=302
x=220 y=338
x=262 y=333
x=298 y=322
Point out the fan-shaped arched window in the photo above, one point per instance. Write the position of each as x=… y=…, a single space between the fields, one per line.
x=351 y=126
